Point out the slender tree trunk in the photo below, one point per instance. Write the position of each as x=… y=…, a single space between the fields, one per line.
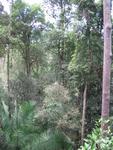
x=62 y=42
x=28 y=65
x=8 y=58
x=106 y=63
x=27 y=53
x=8 y=80
x=83 y=113
x=8 y=61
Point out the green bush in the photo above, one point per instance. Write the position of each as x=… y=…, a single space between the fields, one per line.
x=96 y=141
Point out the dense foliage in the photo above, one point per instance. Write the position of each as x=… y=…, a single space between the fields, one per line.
x=96 y=140
x=47 y=58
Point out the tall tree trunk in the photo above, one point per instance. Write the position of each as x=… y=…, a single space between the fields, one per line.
x=84 y=113
x=8 y=58
x=62 y=42
x=8 y=79
x=106 y=63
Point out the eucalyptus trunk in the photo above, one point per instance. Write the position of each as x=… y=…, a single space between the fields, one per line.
x=106 y=64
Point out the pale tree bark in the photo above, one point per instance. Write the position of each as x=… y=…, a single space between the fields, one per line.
x=106 y=63
x=84 y=113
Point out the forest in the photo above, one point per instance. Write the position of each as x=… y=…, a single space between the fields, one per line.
x=56 y=75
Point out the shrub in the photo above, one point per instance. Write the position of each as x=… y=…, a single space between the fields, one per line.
x=96 y=141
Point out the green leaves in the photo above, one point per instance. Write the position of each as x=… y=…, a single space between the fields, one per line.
x=95 y=141
x=28 y=22
x=22 y=128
